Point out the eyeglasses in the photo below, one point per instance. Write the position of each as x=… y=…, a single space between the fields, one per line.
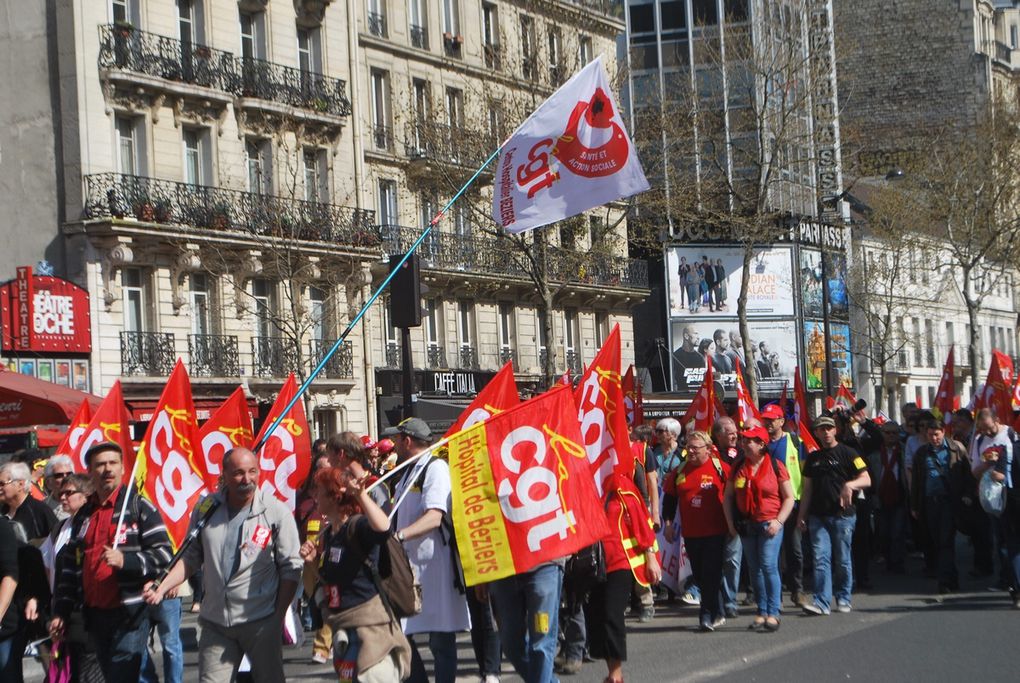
x=4 y=484
x=67 y=494
x=60 y=475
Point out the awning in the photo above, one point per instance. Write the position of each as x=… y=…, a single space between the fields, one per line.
x=439 y=413
x=26 y=401
x=46 y=436
x=142 y=409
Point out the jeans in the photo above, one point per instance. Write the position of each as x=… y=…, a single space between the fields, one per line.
x=706 y=555
x=1011 y=537
x=830 y=543
x=12 y=649
x=484 y=636
x=938 y=515
x=731 y=573
x=166 y=617
x=762 y=553
x=793 y=555
x=892 y=535
x=575 y=633
x=527 y=607
x=120 y=638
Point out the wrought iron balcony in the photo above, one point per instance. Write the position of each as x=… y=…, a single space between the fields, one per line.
x=574 y=364
x=130 y=49
x=213 y=355
x=286 y=85
x=468 y=357
x=377 y=24
x=382 y=138
x=448 y=144
x=479 y=253
x=392 y=355
x=340 y=365
x=419 y=37
x=611 y=8
x=435 y=357
x=453 y=45
x=273 y=356
x=493 y=56
x=508 y=355
x=113 y=195
x=149 y=354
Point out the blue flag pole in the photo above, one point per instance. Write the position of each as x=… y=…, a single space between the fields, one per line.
x=375 y=295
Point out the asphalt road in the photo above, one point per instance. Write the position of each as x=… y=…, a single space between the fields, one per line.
x=897 y=631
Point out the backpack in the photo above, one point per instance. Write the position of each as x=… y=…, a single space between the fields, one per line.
x=393 y=576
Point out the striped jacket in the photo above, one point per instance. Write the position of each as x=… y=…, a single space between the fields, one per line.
x=145 y=544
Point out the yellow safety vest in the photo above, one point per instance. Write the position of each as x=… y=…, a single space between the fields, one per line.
x=793 y=466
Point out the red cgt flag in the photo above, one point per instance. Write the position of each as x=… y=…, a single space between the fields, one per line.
x=169 y=454
x=498 y=395
x=746 y=409
x=75 y=432
x=111 y=422
x=998 y=389
x=522 y=489
x=603 y=414
x=802 y=421
x=286 y=456
x=943 y=407
x=229 y=427
x=703 y=408
x=632 y=399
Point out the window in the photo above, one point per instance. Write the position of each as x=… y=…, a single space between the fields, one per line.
x=916 y=327
x=264 y=296
x=451 y=18
x=135 y=304
x=529 y=49
x=585 y=50
x=309 y=51
x=381 y=137
x=201 y=318
x=377 y=18
x=388 y=202
x=197 y=156
x=950 y=334
x=189 y=22
x=253 y=35
x=417 y=14
x=433 y=348
x=317 y=313
x=556 y=70
x=497 y=123
x=422 y=103
x=931 y=396
x=1014 y=37
x=462 y=223
x=571 y=333
x=464 y=323
x=123 y=11
x=454 y=108
x=543 y=337
x=929 y=343
x=490 y=35
x=130 y=154
x=601 y=328
x=316 y=175
x=258 y=159
x=506 y=331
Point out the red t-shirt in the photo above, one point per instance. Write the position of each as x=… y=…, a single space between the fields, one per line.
x=99 y=580
x=757 y=493
x=699 y=490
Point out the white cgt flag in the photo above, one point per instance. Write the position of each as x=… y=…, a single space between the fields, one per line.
x=571 y=155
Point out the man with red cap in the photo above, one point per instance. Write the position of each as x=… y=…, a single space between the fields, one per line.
x=790 y=451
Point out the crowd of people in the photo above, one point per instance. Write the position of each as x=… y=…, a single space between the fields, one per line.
x=90 y=577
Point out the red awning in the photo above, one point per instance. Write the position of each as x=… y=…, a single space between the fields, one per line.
x=26 y=401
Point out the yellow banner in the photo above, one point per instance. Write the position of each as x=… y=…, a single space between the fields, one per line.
x=481 y=535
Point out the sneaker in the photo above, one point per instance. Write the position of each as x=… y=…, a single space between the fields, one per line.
x=196 y=607
x=646 y=615
x=706 y=625
x=719 y=623
x=843 y=607
x=813 y=610
x=490 y=678
x=690 y=598
x=570 y=667
x=320 y=658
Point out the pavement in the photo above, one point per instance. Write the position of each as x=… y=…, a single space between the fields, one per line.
x=896 y=631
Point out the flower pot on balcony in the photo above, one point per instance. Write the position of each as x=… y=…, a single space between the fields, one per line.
x=320 y=104
x=220 y=217
x=163 y=211
x=124 y=29
x=145 y=211
x=202 y=52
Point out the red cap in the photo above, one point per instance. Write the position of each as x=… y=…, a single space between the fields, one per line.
x=772 y=412
x=385 y=446
x=759 y=433
x=367 y=442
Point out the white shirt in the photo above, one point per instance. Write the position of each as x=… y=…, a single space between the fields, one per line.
x=444 y=608
x=981 y=443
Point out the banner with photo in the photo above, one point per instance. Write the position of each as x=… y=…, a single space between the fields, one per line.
x=814 y=350
x=811 y=286
x=772 y=356
x=704 y=282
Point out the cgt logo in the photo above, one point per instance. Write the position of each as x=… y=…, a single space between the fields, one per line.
x=177 y=483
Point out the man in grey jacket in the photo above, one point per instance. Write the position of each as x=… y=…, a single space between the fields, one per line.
x=248 y=551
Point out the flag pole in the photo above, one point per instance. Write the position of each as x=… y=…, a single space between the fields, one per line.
x=375 y=295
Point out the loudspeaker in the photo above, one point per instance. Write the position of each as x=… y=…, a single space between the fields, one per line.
x=405 y=292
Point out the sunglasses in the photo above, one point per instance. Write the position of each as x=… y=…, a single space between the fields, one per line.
x=60 y=475
x=67 y=494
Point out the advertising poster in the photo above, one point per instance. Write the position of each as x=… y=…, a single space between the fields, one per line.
x=811 y=286
x=814 y=349
x=81 y=375
x=44 y=370
x=63 y=373
x=28 y=368
x=771 y=353
x=704 y=282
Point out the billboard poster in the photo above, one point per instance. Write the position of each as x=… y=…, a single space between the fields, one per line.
x=811 y=286
x=771 y=353
x=704 y=282
x=814 y=348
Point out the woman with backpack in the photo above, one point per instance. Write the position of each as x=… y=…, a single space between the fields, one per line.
x=758 y=501
x=368 y=643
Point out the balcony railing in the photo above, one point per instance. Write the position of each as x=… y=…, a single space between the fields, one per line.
x=392 y=355
x=574 y=364
x=382 y=138
x=452 y=45
x=149 y=354
x=494 y=256
x=377 y=24
x=468 y=358
x=113 y=195
x=612 y=8
x=273 y=356
x=128 y=48
x=508 y=355
x=419 y=37
x=213 y=355
x=448 y=144
x=1003 y=53
x=340 y=365
x=435 y=357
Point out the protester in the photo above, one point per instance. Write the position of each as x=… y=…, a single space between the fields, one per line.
x=12 y=638
x=33 y=518
x=891 y=498
x=250 y=585
x=109 y=580
x=725 y=438
x=862 y=435
x=831 y=477
x=423 y=496
x=57 y=468
x=989 y=432
x=1000 y=462
x=789 y=450
x=697 y=489
x=646 y=478
x=940 y=466
x=364 y=630
x=310 y=522
x=759 y=499
x=345 y=448
x=668 y=453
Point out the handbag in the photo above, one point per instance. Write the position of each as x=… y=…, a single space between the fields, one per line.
x=992 y=495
